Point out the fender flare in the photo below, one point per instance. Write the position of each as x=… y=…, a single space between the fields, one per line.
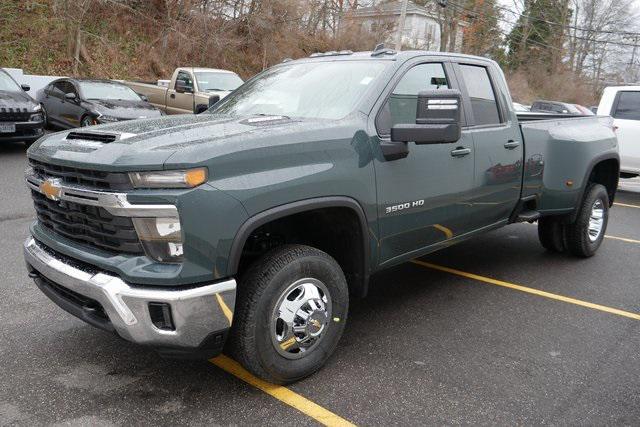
x=589 y=171
x=292 y=208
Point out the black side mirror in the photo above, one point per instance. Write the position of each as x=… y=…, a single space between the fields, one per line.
x=437 y=119
x=25 y=87
x=70 y=96
x=182 y=87
x=213 y=99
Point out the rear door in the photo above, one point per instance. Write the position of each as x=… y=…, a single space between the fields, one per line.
x=423 y=198
x=179 y=101
x=626 y=114
x=498 y=144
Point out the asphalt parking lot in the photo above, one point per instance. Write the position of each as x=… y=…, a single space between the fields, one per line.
x=506 y=333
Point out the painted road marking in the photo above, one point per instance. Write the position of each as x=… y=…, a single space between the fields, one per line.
x=624 y=239
x=283 y=394
x=626 y=205
x=528 y=290
x=607 y=236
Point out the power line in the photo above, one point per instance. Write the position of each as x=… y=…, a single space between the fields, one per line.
x=612 y=42
x=573 y=27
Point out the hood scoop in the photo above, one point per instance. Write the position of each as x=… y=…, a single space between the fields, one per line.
x=96 y=139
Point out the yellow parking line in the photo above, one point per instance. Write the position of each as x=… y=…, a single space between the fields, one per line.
x=283 y=394
x=624 y=239
x=626 y=205
x=529 y=290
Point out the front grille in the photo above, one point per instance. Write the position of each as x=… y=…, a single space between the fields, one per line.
x=14 y=115
x=86 y=224
x=87 y=178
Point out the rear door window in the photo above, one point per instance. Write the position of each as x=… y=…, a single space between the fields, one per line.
x=483 y=98
x=628 y=106
x=401 y=106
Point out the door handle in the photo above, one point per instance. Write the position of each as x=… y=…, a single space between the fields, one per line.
x=461 y=152
x=511 y=144
x=172 y=96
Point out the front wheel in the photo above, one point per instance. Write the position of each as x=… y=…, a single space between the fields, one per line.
x=585 y=235
x=290 y=313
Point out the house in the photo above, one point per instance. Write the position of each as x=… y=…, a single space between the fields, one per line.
x=421 y=29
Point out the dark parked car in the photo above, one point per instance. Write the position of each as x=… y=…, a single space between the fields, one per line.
x=20 y=116
x=69 y=103
x=556 y=107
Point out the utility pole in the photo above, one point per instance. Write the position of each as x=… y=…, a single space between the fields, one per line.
x=400 y=31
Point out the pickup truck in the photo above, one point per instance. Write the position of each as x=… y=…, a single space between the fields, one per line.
x=191 y=90
x=623 y=104
x=248 y=228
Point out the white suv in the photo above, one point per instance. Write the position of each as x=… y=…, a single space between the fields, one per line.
x=623 y=104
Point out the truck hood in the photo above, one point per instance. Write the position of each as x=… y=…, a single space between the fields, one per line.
x=186 y=139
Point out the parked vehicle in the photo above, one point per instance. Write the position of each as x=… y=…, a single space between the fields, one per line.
x=20 y=116
x=554 y=107
x=520 y=108
x=584 y=110
x=191 y=90
x=70 y=103
x=257 y=220
x=623 y=104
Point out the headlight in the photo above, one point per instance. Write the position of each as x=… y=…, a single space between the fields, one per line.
x=38 y=117
x=169 y=179
x=108 y=119
x=161 y=238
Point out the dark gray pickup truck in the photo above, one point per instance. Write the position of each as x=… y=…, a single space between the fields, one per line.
x=249 y=227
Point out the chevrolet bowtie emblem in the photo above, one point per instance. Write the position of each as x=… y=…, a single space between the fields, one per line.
x=51 y=188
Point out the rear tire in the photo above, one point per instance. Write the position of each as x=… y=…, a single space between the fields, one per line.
x=270 y=335
x=585 y=235
x=551 y=234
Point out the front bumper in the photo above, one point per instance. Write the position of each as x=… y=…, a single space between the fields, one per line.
x=25 y=131
x=201 y=315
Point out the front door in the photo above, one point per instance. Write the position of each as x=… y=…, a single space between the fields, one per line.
x=498 y=145
x=422 y=199
x=180 y=101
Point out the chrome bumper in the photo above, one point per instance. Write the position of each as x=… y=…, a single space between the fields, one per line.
x=196 y=312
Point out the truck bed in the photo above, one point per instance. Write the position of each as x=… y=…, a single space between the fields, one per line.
x=559 y=152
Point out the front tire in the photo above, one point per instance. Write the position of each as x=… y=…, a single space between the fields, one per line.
x=585 y=235
x=290 y=313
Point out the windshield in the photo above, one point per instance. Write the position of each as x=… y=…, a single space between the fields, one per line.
x=327 y=90
x=106 y=90
x=7 y=83
x=208 y=80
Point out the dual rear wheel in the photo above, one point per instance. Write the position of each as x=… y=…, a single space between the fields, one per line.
x=584 y=236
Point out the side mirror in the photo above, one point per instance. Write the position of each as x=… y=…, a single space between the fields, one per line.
x=437 y=119
x=25 y=87
x=70 y=96
x=182 y=87
x=213 y=99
